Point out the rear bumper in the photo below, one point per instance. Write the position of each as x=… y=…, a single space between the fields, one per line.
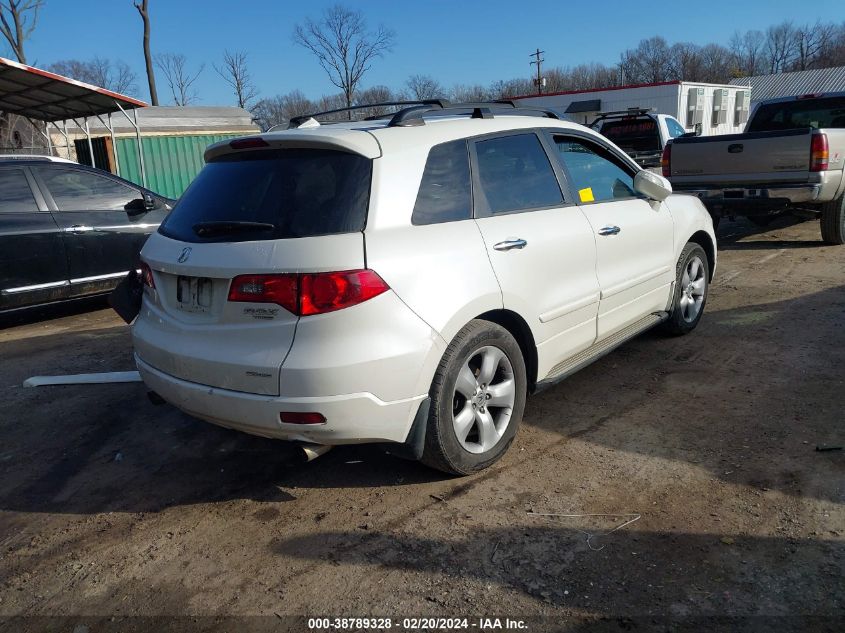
x=350 y=418
x=755 y=200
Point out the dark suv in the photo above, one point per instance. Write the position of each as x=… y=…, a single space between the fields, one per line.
x=68 y=230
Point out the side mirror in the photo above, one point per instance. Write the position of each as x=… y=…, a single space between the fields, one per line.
x=652 y=186
x=140 y=205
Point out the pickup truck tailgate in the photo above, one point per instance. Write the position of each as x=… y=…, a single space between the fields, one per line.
x=782 y=155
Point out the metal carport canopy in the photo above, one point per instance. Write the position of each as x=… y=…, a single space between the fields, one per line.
x=44 y=96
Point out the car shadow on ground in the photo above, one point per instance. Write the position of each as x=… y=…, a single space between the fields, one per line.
x=752 y=377
x=734 y=234
x=575 y=564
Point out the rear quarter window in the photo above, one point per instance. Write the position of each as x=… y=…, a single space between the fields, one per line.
x=15 y=194
x=298 y=192
x=445 y=193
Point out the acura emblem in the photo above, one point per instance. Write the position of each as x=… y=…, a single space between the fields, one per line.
x=186 y=253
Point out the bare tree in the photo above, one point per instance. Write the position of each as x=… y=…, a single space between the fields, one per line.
x=235 y=73
x=780 y=46
x=424 y=87
x=650 y=62
x=811 y=40
x=17 y=21
x=748 y=50
x=115 y=76
x=179 y=78
x=461 y=93
x=376 y=94
x=144 y=12
x=343 y=46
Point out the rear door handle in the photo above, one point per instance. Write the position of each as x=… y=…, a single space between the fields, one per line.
x=79 y=228
x=510 y=243
x=609 y=230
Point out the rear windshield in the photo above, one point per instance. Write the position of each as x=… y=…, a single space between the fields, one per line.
x=633 y=135
x=789 y=115
x=273 y=194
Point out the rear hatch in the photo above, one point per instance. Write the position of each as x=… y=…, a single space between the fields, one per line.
x=775 y=156
x=638 y=136
x=260 y=211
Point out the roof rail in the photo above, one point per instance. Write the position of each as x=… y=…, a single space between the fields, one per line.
x=299 y=120
x=414 y=115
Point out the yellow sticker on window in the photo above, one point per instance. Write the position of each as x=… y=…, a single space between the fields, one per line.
x=586 y=195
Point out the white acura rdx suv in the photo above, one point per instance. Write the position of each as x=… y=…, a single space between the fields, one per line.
x=409 y=279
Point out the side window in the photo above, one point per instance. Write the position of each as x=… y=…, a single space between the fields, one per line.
x=15 y=194
x=516 y=175
x=595 y=173
x=675 y=128
x=77 y=190
x=445 y=193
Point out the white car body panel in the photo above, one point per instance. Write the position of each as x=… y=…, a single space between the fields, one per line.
x=560 y=303
x=636 y=266
x=368 y=367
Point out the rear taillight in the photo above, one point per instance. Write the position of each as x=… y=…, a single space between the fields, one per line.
x=279 y=289
x=666 y=161
x=327 y=292
x=819 y=153
x=147 y=276
x=306 y=294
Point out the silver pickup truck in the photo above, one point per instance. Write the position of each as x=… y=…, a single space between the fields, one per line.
x=790 y=158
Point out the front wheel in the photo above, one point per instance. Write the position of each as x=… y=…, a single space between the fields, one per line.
x=477 y=400
x=691 y=285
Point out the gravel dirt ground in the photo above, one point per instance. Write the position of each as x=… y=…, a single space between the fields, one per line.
x=119 y=515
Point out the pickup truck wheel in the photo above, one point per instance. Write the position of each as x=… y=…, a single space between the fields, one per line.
x=477 y=399
x=691 y=286
x=833 y=221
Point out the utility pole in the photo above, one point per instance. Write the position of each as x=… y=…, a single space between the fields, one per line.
x=538 y=60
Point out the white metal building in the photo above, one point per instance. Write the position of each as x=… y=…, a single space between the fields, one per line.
x=720 y=108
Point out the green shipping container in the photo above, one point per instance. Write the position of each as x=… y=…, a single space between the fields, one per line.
x=171 y=162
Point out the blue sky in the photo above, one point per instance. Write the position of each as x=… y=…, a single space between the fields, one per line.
x=467 y=41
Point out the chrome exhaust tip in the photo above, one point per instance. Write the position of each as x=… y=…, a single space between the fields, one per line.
x=313 y=451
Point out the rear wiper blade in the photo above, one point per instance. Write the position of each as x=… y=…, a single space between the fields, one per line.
x=222 y=227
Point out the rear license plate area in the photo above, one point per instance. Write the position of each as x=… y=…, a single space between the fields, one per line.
x=194 y=294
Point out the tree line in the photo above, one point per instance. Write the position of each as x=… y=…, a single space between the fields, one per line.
x=345 y=47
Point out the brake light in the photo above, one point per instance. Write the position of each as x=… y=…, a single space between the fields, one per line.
x=327 y=292
x=147 y=276
x=812 y=95
x=249 y=143
x=819 y=153
x=666 y=160
x=278 y=289
x=306 y=294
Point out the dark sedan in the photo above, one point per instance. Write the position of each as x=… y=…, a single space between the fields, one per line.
x=68 y=230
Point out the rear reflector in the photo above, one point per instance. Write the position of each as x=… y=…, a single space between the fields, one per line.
x=306 y=294
x=819 y=153
x=249 y=143
x=147 y=276
x=299 y=417
x=666 y=161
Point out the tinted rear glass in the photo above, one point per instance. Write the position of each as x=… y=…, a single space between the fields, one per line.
x=789 y=115
x=445 y=193
x=635 y=135
x=301 y=192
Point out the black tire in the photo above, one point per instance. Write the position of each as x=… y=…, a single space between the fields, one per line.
x=443 y=450
x=833 y=221
x=678 y=323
